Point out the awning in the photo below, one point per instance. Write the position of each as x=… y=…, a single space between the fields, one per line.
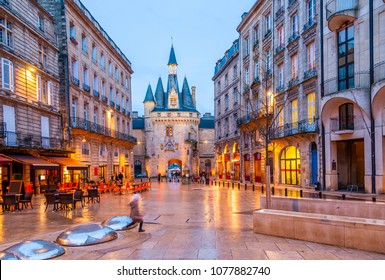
x=36 y=163
x=69 y=163
x=4 y=160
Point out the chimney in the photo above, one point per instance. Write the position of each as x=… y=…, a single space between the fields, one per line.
x=134 y=114
x=193 y=90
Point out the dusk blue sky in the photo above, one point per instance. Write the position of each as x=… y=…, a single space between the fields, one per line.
x=202 y=30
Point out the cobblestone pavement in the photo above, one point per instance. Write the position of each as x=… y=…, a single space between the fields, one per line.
x=181 y=222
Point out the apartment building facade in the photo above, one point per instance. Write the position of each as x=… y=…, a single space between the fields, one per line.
x=353 y=96
x=30 y=118
x=279 y=87
x=227 y=101
x=95 y=93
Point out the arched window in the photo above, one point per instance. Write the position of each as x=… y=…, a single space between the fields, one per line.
x=290 y=166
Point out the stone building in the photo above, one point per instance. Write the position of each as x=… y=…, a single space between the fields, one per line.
x=227 y=111
x=279 y=116
x=168 y=133
x=30 y=120
x=95 y=93
x=353 y=96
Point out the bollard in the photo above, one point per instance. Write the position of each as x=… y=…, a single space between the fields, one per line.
x=343 y=196
x=239 y=186
x=253 y=188
x=285 y=191
x=320 y=195
x=272 y=190
x=246 y=187
x=300 y=193
x=262 y=189
x=373 y=198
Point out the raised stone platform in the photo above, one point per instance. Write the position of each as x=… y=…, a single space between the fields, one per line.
x=350 y=232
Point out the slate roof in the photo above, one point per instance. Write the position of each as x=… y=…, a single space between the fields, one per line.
x=207 y=123
x=149 y=95
x=172 y=59
x=138 y=123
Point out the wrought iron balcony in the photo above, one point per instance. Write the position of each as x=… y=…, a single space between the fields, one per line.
x=112 y=103
x=293 y=82
x=280 y=88
x=304 y=126
x=123 y=110
x=339 y=12
x=311 y=22
x=104 y=99
x=279 y=12
x=75 y=80
x=118 y=107
x=86 y=125
x=96 y=93
x=3 y=129
x=86 y=88
x=345 y=124
x=310 y=73
x=267 y=33
x=293 y=37
x=291 y=2
x=280 y=48
x=31 y=141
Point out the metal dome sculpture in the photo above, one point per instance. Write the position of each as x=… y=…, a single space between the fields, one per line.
x=33 y=250
x=120 y=223
x=85 y=235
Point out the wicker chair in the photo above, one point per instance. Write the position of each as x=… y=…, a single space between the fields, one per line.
x=78 y=197
x=9 y=202
x=67 y=201
x=26 y=200
x=53 y=199
x=93 y=195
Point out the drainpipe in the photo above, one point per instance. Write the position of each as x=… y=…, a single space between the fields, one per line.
x=322 y=93
x=372 y=123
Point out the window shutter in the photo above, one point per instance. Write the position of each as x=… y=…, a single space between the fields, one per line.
x=50 y=93
x=7 y=74
x=38 y=88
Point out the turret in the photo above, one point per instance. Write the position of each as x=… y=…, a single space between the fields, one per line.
x=149 y=102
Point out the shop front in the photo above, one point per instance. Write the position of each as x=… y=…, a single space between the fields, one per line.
x=72 y=171
x=5 y=168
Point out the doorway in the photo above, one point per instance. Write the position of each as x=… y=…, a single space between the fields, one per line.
x=350 y=163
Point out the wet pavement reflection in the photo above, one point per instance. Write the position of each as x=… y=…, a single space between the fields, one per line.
x=181 y=222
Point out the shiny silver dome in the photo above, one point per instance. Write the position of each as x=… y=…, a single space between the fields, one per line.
x=88 y=234
x=34 y=250
x=4 y=256
x=120 y=223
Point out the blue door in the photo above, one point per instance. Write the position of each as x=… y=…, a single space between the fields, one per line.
x=314 y=164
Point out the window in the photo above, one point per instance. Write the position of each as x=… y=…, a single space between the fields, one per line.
x=112 y=94
x=219 y=87
x=235 y=72
x=294 y=111
x=235 y=125
x=75 y=69
x=247 y=76
x=311 y=107
x=110 y=68
x=281 y=118
x=45 y=143
x=294 y=66
x=227 y=126
x=103 y=88
x=247 y=46
x=72 y=31
x=248 y=108
x=123 y=102
x=294 y=25
x=10 y=120
x=256 y=70
x=116 y=74
x=169 y=131
x=226 y=80
x=219 y=129
x=226 y=101
x=103 y=119
x=219 y=106
x=267 y=23
x=40 y=23
x=7 y=74
x=117 y=98
x=127 y=104
x=6 y=36
x=281 y=37
x=235 y=95
x=86 y=76
x=74 y=108
x=94 y=53
x=311 y=8
x=85 y=112
x=96 y=116
x=290 y=166
x=44 y=91
x=43 y=55
x=102 y=61
x=96 y=83
x=256 y=34
x=280 y=76
x=84 y=44
x=346 y=116
x=346 y=58
x=126 y=83
x=268 y=61
x=311 y=61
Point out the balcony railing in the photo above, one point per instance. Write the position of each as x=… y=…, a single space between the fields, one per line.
x=118 y=107
x=311 y=22
x=291 y=2
x=75 y=80
x=309 y=74
x=280 y=48
x=123 y=110
x=23 y=140
x=85 y=151
x=112 y=103
x=279 y=12
x=293 y=82
x=293 y=37
x=339 y=12
x=346 y=124
x=304 y=126
x=104 y=99
x=86 y=88
x=3 y=129
x=280 y=88
x=96 y=93
x=99 y=129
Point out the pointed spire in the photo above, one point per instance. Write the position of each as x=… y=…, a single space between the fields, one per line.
x=186 y=95
x=172 y=59
x=149 y=95
x=159 y=94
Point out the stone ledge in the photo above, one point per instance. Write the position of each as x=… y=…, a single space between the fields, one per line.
x=350 y=232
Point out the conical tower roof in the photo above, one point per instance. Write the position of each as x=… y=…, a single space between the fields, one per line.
x=186 y=94
x=159 y=94
x=172 y=59
x=149 y=95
